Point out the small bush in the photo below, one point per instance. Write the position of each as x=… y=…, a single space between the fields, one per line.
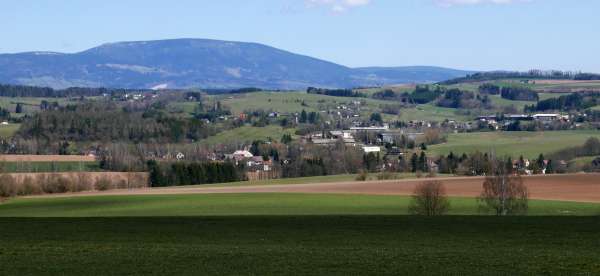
x=56 y=184
x=362 y=176
x=84 y=183
x=122 y=184
x=387 y=176
x=419 y=174
x=29 y=187
x=8 y=186
x=429 y=199
x=103 y=184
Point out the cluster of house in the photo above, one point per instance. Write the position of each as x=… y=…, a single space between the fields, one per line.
x=253 y=163
x=384 y=135
x=495 y=120
x=560 y=165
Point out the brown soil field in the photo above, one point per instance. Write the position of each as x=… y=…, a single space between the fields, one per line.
x=572 y=187
x=47 y=158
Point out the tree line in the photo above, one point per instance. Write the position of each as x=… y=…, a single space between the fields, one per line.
x=518 y=94
x=164 y=174
x=109 y=121
x=532 y=74
x=575 y=101
x=8 y=90
x=335 y=92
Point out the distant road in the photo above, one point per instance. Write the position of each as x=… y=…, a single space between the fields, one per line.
x=570 y=187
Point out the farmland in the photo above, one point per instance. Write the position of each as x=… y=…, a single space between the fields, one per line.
x=301 y=245
x=291 y=102
x=254 y=204
x=528 y=144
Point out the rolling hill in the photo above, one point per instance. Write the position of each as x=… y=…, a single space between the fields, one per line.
x=186 y=63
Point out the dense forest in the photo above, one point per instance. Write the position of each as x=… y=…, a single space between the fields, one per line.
x=488 y=88
x=518 y=94
x=109 y=121
x=46 y=92
x=456 y=98
x=421 y=95
x=181 y=173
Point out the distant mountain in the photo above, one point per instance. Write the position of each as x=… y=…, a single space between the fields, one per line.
x=200 y=63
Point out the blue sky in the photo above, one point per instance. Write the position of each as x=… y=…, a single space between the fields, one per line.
x=467 y=34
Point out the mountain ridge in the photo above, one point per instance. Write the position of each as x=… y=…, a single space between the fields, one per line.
x=200 y=63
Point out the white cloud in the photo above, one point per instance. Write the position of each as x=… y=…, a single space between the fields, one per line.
x=337 y=6
x=450 y=3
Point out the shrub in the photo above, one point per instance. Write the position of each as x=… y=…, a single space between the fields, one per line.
x=386 y=176
x=362 y=176
x=83 y=183
x=429 y=199
x=29 y=187
x=8 y=186
x=505 y=194
x=103 y=184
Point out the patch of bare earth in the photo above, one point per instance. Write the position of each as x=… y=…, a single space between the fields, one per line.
x=572 y=187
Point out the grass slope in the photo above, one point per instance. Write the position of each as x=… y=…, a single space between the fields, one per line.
x=291 y=102
x=252 y=204
x=9 y=130
x=247 y=134
x=528 y=144
x=314 y=245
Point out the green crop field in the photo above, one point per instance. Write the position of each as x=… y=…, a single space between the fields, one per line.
x=316 y=179
x=528 y=144
x=301 y=245
x=282 y=234
x=23 y=167
x=253 y=204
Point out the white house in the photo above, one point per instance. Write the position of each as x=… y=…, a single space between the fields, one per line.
x=369 y=149
x=243 y=154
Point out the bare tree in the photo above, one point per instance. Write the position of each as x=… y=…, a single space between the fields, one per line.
x=429 y=199
x=504 y=192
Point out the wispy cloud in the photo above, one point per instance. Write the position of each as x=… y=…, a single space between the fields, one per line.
x=450 y=3
x=337 y=6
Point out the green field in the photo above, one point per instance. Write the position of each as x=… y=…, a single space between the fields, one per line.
x=291 y=102
x=283 y=234
x=30 y=104
x=253 y=204
x=528 y=144
x=9 y=130
x=247 y=134
x=316 y=179
x=301 y=245
x=23 y=167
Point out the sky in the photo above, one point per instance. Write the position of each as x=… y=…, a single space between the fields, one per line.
x=463 y=34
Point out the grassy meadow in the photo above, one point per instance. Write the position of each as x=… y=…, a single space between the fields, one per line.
x=528 y=144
